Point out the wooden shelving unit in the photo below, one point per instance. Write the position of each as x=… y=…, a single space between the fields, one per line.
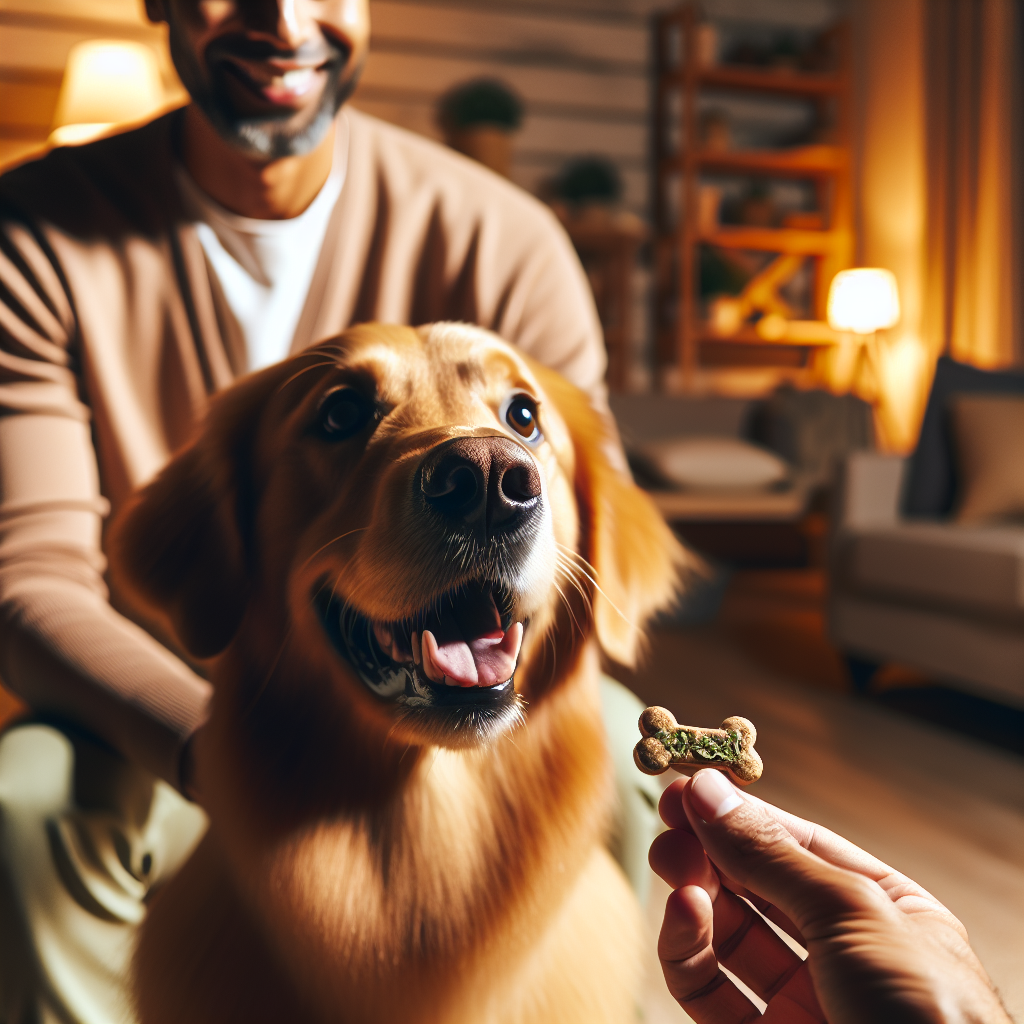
x=682 y=335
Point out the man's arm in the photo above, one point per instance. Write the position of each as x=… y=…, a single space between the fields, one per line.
x=63 y=649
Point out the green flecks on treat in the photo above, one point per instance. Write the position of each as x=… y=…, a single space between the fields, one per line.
x=681 y=743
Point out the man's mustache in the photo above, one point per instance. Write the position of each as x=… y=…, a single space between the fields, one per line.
x=313 y=51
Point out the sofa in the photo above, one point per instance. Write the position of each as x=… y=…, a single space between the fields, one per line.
x=914 y=580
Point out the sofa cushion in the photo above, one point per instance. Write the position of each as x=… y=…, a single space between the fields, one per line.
x=974 y=568
x=989 y=432
x=932 y=478
x=713 y=463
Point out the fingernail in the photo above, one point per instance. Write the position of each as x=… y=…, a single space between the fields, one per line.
x=713 y=795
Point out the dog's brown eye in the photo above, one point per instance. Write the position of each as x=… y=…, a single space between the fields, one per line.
x=521 y=416
x=344 y=412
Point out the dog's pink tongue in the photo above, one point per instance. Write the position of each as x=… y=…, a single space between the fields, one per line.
x=485 y=661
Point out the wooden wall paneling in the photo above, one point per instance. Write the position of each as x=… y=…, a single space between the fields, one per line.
x=624 y=138
x=568 y=89
x=540 y=36
x=614 y=11
x=119 y=12
x=581 y=67
x=35 y=38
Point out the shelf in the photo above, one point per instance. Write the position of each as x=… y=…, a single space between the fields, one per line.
x=822 y=245
x=798 y=333
x=800 y=83
x=800 y=160
x=782 y=240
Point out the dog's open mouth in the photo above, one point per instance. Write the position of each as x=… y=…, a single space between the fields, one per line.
x=457 y=657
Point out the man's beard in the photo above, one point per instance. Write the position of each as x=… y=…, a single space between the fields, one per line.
x=267 y=137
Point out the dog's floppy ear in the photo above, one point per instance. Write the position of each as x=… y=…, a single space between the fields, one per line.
x=637 y=559
x=178 y=547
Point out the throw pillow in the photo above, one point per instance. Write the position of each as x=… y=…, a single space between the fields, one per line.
x=713 y=463
x=989 y=435
x=931 y=475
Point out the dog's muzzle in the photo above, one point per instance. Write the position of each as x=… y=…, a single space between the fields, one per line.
x=452 y=664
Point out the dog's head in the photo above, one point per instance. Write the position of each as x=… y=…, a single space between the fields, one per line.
x=422 y=507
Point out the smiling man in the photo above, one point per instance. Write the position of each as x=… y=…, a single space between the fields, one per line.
x=140 y=274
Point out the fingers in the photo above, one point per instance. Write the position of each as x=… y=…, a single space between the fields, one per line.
x=680 y=860
x=747 y=840
x=689 y=964
x=762 y=906
x=670 y=807
x=697 y=935
x=812 y=837
x=706 y=925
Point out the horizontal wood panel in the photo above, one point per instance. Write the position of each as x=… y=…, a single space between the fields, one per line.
x=530 y=37
x=47 y=48
x=805 y=14
x=622 y=12
x=539 y=132
x=622 y=94
x=124 y=12
x=28 y=105
x=13 y=150
x=567 y=61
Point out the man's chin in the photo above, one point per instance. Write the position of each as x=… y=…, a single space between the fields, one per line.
x=274 y=136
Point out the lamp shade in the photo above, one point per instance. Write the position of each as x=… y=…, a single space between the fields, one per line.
x=106 y=82
x=863 y=301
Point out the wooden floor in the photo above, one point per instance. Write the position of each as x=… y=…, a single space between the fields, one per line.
x=851 y=764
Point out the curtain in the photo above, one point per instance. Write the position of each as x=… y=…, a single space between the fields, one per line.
x=937 y=141
x=973 y=80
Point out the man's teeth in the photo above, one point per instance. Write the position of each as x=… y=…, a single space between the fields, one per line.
x=298 y=81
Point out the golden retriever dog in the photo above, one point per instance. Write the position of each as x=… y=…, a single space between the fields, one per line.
x=399 y=554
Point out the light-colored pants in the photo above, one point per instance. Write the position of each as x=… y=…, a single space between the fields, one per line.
x=85 y=837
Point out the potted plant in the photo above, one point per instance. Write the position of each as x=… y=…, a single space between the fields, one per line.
x=479 y=118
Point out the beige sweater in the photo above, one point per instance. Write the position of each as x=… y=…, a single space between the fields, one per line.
x=113 y=334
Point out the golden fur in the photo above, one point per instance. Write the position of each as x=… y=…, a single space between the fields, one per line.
x=357 y=869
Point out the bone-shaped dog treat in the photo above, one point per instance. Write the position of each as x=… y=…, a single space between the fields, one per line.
x=729 y=748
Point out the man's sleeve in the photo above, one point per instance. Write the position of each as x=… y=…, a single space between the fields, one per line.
x=63 y=648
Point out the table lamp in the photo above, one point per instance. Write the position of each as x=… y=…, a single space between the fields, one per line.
x=106 y=82
x=861 y=302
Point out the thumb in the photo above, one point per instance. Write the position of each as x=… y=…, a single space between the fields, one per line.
x=751 y=845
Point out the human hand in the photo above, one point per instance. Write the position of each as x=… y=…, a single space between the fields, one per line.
x=880 y=948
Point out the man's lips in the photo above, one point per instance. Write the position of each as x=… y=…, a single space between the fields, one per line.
x=281 y=83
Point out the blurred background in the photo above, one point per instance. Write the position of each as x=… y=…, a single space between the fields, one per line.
x=802 y=222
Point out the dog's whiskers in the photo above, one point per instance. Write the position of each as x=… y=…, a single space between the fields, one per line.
x=569 y=609
x=571 y=573
x=324 y=547
x=591 y=574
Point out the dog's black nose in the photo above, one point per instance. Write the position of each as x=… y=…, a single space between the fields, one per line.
x=481 y=481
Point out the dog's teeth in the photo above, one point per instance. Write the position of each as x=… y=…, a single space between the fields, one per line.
x=417 y=655
x=428 y=647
